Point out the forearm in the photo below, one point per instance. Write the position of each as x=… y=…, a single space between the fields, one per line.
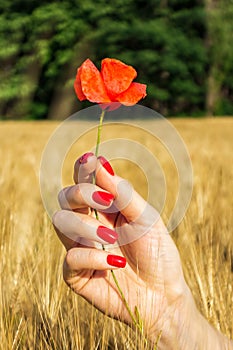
x=186 y=329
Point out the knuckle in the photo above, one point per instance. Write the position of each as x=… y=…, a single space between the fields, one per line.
x=90 y=255
x=61 y=196
x=92 y=258
x=125 y=190
x=77 y=191
x=71 y=256
x=57 y=218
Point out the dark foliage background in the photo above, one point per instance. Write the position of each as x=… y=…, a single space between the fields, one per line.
x=182 y=49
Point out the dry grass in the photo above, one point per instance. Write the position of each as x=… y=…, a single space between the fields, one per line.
x=37 y=311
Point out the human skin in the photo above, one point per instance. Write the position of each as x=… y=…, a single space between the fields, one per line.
x=152 y=279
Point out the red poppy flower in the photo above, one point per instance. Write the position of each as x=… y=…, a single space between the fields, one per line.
x=114 y=83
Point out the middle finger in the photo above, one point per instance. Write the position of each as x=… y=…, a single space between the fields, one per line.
x=83 y=196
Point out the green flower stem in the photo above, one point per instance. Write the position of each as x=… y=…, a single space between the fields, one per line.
x=99 y=132
x=137 y=324
x=97 y=149
x=125 y=301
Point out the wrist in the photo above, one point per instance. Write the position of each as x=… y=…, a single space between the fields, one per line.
x=182 y=327
x=173 y=326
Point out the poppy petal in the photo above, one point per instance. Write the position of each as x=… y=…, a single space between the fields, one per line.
x=133 y=94
x=92 y=83
x=117 y=76
x=78 y=86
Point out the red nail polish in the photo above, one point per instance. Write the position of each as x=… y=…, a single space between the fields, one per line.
x=116 y=260
x=106 y=165
x=103 y=198
x=106 y=234
x=85 y=157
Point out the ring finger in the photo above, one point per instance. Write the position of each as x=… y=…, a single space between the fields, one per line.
x=83 y=196
x=83 y=229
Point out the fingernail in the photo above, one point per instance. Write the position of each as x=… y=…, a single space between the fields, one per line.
x=103 y=198
x=85 y=157
x=106 y=165
x=106 y=234
x=116 y=260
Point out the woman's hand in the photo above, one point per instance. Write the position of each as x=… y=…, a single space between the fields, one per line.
x=145 y=259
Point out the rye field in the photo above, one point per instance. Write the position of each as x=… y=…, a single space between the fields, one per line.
x=37 y=310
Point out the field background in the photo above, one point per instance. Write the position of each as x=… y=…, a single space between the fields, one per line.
x=37 y=311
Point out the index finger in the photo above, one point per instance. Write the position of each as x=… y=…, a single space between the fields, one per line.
x=84 y=168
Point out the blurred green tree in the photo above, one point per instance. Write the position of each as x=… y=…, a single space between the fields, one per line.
x=36 y=50
x=167 y=41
